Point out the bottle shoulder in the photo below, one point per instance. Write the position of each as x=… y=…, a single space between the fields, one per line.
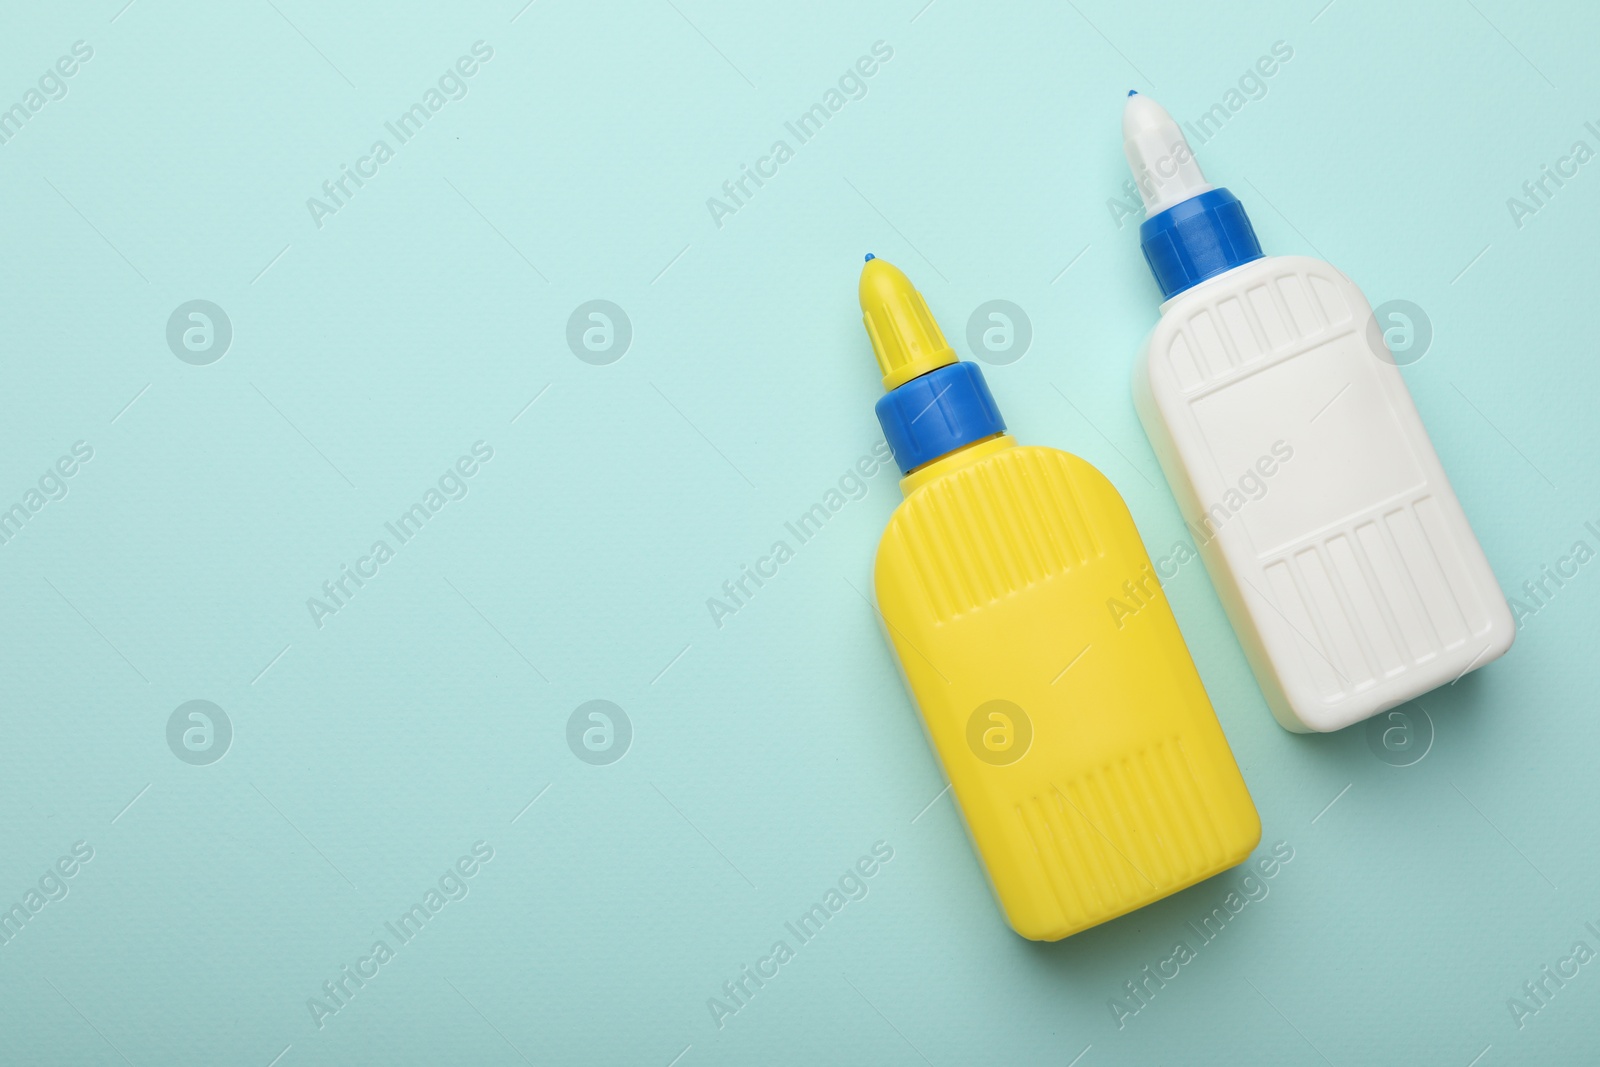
x=999 y=473
x=993 y=506
x=1270 y=306
x=1249 y=276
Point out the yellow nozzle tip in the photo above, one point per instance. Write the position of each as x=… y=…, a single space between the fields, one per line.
x=905 y=338
x=880 y=280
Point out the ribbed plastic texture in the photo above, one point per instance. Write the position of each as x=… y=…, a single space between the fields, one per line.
x=936 y=414
x=1355 y=582
x=906 y=340
x=994 y=581
x=1125 y=833
x=1198 y=239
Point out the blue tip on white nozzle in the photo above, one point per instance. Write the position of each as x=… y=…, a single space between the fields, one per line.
x=1133 y=92
x=870 y=257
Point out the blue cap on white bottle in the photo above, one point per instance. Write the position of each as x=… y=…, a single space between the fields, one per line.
x=1192 y=231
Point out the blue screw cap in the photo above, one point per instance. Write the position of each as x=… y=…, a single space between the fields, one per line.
x=937 y=413
x=1198 y=239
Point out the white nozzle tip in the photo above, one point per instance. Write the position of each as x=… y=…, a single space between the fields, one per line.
x=1164 y=167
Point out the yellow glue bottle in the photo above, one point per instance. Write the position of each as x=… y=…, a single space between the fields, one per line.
x=1040 y=650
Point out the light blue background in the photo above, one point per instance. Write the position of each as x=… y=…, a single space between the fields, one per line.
x=769 y=754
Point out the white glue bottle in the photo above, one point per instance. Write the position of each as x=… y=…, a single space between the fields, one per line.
x=1298 y=459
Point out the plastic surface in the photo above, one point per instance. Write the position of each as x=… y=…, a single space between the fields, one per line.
x=938 y=413
x=1323 y=515
x=906 y=340
x=1164 y=168
x=1084 y=755
x=1198 y=239
x=1192 y=231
